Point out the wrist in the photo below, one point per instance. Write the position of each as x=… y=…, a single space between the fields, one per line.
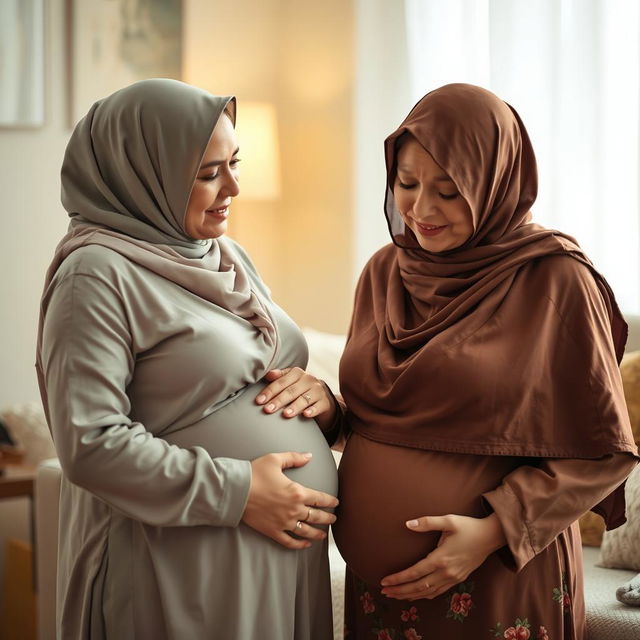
x=496 y=538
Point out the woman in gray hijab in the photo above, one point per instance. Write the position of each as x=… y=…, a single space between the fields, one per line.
x=189 y=508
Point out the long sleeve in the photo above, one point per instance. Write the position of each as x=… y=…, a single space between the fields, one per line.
x=87 y=363
x=536 y=503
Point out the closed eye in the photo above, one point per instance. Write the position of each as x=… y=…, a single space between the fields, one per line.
x=213 y=176
x=404 y=185
x=449 y=196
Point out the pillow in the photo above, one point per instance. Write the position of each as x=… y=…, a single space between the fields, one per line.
x=621 y=547
x=591 y=524
x=630 y=371
x=28 y=428
x=325 y=351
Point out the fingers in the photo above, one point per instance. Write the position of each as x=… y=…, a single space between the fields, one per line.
x=290 y=542
x=305 y=530
x=295 y=392
x=291 y=459
x=432 y=523
x=416 y=572
x=319 y=516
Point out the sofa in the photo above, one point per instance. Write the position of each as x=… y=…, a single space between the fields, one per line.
x=607 y=619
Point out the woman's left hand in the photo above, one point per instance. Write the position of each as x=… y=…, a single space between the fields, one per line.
x=464 y=545
x=297 y=392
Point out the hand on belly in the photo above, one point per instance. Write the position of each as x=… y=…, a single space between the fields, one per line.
x=464 y=545
x=383 y=486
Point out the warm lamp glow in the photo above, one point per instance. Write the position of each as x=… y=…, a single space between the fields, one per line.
x=258 y=140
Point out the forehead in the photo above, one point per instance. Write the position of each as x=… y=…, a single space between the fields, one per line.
x=412 y=156
x=223 y=140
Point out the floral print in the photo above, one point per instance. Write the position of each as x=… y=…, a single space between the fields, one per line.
x=521 y=630
x=562 y=596
x=384 y=635
x=409 y=615
x=542 y=634
x=412 y=634
x=368 y=605
x=461 y=603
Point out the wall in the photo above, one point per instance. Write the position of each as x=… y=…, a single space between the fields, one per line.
x=32 y=219
x=299 y=56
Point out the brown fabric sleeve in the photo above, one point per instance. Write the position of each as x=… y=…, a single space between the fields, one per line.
x=536 y=503
x=336 y=433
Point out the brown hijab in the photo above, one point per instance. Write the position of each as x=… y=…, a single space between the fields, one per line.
x=506 y=345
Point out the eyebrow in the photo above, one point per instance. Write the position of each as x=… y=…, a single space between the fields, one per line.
x=441 y=178
x=217 y=163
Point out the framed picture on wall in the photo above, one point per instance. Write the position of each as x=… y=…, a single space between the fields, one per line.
x=113 y=43
x=21 y=63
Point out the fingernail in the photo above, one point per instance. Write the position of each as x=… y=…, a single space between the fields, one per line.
x=412 y=523
x=307 y=455
x=271 y=407
x=384 y=583
x=261 y=398
x=288 y=411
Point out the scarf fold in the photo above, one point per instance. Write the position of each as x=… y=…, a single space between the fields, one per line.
x=506 y=345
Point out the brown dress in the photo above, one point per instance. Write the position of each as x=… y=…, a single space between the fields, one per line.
x=530 y=589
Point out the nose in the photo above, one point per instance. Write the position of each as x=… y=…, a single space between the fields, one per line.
x=231 y=184
x=426 y=204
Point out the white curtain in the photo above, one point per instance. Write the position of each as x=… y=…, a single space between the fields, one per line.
x=571 y=68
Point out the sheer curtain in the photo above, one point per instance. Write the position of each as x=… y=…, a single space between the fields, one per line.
x=572 y=70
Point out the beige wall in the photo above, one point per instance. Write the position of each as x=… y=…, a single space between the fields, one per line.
x=298 y=56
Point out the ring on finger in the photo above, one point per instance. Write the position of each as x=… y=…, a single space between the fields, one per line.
x=307 y=397
x=426 y=586
x=308 y=514
x=298 y=524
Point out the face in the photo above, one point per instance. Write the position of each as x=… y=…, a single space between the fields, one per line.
x=215 y=185
x=429 y=201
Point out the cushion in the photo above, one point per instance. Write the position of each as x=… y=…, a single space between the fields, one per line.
x=630 y=371
x=621 y=547
x=591 y=524
x=28 y=428
x=325 y=350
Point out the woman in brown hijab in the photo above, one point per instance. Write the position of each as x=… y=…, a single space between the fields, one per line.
x=485 y=406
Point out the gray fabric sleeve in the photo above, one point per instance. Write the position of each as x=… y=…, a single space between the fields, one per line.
x=88 y=363
x=536 y=503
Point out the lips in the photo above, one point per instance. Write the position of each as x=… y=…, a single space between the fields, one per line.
x=221 y=212
x=430 y=229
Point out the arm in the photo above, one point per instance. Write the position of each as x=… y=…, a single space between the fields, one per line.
x=536 y=503
x=88 y=363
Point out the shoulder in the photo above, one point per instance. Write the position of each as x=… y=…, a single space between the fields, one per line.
x=562 y=276
x=97 y=261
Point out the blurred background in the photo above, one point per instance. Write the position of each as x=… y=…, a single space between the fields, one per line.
x=319 y=86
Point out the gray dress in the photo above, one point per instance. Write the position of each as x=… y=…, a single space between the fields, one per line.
x=151 y=393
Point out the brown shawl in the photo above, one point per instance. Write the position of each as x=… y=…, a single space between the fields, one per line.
x=506 y=345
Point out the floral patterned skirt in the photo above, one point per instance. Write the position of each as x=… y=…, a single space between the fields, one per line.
x=544 y=601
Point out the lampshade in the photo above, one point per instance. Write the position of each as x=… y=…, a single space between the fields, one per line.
x=257 y=134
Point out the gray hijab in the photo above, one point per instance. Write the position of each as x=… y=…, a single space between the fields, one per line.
x=132 y=160
x=127 y=175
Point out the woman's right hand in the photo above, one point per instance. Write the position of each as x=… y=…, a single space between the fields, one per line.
x=276 y=504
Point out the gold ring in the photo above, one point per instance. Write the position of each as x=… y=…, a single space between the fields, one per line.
x=309 y=514
x=298 y=524
x=426 y=586
x=307 y=397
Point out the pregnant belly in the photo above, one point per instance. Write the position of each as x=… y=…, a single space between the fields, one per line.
x=382 y=486
x=242 y=430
